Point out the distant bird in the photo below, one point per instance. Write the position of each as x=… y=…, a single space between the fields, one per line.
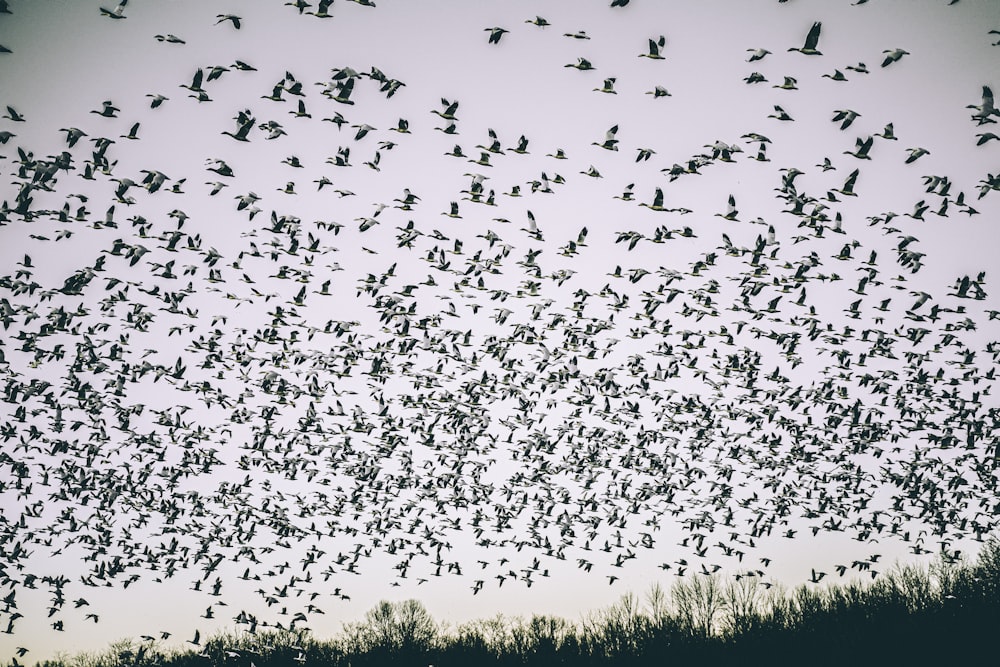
x=915 y=154
x=496 y=34
x=861 y=148
x=322 y=10
x=812 y=41
x=788 y=84
x=538 y=21
x=845 y=117
x=157 y=100
x=757 y=54
x=450 y=108
x=893 y=55
x=985 y=110
x=608 y=87
x=655 y=48
x=116 y=13
x=887 y=133
x=169 y=38
x=658 y=91
x=581 y=64
x=609 y=143
x=232 y=18
x=655 y=205
x=780 y=114
x=108 y=110
x=13 y=115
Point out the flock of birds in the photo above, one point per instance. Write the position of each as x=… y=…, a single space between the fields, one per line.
x=253 y=414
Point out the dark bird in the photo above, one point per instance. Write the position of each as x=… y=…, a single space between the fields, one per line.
x=655 y=48
x=232 y=18
x=496 y=34
x=116 y=13
x=812 y=41
x=108 y=110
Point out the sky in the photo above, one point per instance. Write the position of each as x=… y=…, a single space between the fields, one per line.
x=289 y=389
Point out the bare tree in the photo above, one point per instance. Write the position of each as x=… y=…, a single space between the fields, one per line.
x=698 y=602
x=742 y=597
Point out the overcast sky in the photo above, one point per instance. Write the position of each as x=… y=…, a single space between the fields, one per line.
x=554 y=394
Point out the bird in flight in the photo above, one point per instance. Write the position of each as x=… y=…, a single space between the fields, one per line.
x=812 y=41
x=116 y=13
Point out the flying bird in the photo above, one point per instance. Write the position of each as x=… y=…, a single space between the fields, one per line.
x=812 y=41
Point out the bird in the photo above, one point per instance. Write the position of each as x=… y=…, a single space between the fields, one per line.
x=915 y=154
x=893 y=55
x=861 y=148
x=845 y=117
x=610 y=142
x=450 y=108
x=496 y=33
x=986 y=109
x=812 y=41
x=108 y=110
x=608 y=87
x=780 y=114
x=655 y=48
x=581 y=64
x=236 y=21
x=117 y=13
x=156 y=100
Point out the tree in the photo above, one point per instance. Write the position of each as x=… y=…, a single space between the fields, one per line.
x=404 y=626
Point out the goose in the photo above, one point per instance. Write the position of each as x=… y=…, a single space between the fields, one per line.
x=861 y=148
x=449 y=110
x=655 y=46
x=847 y=117
x=322 y=10
x=658 y=91
x=657 y=203
x=538 y=21
x=232 y=18
x=893 y=55
x=522 y=146
x=608 y=87
x=986 y=109
x=915 y=154
x=887 y=133
x=343 y=91
x=609 y=143
x=757 y=54
x=581 y=64
x=108 y=110
x=779 y=114
x=787 y=84
x=116 y=13
x=812 y=41
x=156 y=100
x=496 y=33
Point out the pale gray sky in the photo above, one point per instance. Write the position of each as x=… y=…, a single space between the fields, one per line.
x=511 y=316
